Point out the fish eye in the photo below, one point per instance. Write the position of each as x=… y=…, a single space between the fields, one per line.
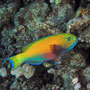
x=69 y=38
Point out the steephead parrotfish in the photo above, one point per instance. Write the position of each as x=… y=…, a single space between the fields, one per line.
x=47 y=49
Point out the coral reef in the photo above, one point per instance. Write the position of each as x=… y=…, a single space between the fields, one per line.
x=24 y=21
x=60 y=14
x=7 y=13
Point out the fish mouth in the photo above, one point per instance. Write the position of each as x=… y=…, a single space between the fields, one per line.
x=76 y=40
x=73 y=44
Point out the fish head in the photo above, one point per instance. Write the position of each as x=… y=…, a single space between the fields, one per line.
x=69 y=41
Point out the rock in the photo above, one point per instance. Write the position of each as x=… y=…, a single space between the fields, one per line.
x=3 y=72
x=86 y=73
x=25 y=70
x=88 y=86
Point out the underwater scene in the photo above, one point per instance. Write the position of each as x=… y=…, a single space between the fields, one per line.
x=44 y=44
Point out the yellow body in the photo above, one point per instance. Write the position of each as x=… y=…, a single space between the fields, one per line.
x=43 y=46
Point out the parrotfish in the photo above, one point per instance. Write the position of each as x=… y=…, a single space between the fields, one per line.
x=48 y=49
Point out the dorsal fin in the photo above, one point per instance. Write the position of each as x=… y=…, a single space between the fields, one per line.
x=26 y=47
x=29 y=45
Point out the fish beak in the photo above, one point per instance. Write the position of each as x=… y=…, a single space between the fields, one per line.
x=76 y=40
x=73 y=45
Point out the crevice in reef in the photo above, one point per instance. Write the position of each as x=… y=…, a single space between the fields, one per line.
x=88 y=58
x=24 y=3
x=82 y=3
x=49 y=4
x=85 y=53
x=77 y=4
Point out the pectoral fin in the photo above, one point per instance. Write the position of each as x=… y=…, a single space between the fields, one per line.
x=58 y=49
x=55 y=55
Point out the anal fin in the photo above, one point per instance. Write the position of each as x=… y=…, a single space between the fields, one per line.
x=57 y=60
